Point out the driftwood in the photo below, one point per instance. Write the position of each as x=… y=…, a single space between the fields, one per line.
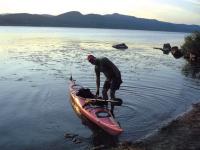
x=166 y=48
x=163 y=50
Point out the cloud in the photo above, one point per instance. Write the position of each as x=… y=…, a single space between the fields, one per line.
x=195 y=2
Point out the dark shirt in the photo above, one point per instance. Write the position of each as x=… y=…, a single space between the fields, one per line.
x=108 y=68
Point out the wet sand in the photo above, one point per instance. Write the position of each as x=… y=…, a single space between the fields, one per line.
x=182 y=133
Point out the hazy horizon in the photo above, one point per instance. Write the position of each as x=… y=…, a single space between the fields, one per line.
x=180 y=11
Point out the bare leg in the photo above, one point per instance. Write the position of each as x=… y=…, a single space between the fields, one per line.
x=112 y=110
x=112 y=96
x=105 y=94
x=106 y=87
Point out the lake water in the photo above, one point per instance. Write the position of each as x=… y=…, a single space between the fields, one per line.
x=36 y=63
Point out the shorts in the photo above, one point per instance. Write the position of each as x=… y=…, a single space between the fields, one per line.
x=113 y=84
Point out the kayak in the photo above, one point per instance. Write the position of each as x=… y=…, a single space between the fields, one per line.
x=99 y=115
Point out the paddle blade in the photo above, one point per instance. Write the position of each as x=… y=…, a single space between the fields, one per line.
x=118 y=102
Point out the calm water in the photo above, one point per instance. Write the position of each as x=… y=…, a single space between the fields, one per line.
x=35 y=64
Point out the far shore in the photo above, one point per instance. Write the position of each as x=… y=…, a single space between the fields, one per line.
x=99 y=28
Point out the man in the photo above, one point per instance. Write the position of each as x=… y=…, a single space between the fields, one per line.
x=111 y=72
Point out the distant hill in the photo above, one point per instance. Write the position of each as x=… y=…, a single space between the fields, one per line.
x=76 y=19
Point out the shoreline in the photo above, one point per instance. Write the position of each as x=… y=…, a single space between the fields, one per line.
x=182 y=133
x=26 y=26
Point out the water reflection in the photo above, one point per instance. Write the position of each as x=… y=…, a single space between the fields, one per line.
x=192 y=70
x=99 y=138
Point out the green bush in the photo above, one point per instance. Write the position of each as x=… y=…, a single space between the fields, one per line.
x=191 y=45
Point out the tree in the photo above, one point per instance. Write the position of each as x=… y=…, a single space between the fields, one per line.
x=191 y=47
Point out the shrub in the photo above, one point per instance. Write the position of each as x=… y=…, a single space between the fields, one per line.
x=191 y=45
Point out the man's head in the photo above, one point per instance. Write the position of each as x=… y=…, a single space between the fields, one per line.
x=91 y=59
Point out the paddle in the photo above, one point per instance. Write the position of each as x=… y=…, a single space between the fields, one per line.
x=116 y=102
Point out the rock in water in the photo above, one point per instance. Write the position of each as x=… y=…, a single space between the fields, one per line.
x=122 y=46
x=176 y=52
x=166 y=48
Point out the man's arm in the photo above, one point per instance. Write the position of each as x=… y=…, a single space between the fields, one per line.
x=97 y=80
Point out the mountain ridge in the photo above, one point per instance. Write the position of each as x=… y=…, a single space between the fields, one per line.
x=77 y=19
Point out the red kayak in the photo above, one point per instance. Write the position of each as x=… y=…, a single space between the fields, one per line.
x=99 y=115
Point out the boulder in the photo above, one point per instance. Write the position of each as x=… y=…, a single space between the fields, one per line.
x=120 y=46
x=176 y=52
x=166 y=48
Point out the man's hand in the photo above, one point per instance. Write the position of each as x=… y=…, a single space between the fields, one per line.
x=97 y=93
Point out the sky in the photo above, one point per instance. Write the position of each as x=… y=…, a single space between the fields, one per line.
x=175 y=11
